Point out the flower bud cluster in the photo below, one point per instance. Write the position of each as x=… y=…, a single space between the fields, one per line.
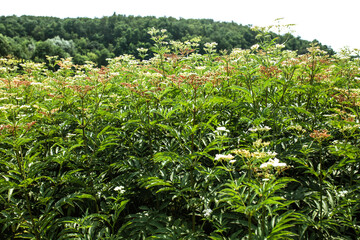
x=298 y=128
x=320 y=135
x=260 y=144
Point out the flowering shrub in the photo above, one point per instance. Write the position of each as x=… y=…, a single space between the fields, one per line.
x=257 y=143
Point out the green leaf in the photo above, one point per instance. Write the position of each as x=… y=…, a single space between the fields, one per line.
x=151 y=182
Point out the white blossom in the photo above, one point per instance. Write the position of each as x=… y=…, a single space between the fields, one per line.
x=220 y=157
x=25 y=106
x=200 y=68
x=255 y=46
x=119 y=189
x=274 y=162
x=260 y=129
x=207 y=212
x=210 y=45
x=69 y=135
x=222 y=129
x=343 y=193
x=36 y=83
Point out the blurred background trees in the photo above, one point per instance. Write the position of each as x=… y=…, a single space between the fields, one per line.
x=32 y=38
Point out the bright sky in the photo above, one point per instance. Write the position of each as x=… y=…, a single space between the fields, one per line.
x=333 y=23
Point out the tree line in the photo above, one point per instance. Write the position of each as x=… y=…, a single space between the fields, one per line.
x=86 y=39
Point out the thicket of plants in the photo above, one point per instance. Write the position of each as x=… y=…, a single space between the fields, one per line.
x=248 y=144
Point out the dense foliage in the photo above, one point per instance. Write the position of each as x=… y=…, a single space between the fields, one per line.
x=250 y=144
x=85 y=39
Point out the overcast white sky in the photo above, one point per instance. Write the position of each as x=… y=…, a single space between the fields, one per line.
x=334 y=23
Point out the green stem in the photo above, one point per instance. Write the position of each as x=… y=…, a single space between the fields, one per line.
x=263 y=220
x=148 y=126
x=249 y=226
x=19 y=159
x=249 y=203
x=193 y=164
x=86 y=149
x=321 y=190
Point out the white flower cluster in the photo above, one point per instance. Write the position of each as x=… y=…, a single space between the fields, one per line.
x=220 y=157
x=255 y=47
x=152 y=75
x=260 y=129
x=343 y=193
x=25 y=106
x=274 y=162
x=7 y=107
x=258 y=155
x=349 y=127
x=142 y=50
x=200 y=67
x=260 y=144
x=35 y=83
x=221 y=131
x=207 y=212
x=69 y=135
x=120 y=189
x=297 y=128
x=210 y=45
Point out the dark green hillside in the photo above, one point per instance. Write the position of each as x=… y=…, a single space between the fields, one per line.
x=32 y=38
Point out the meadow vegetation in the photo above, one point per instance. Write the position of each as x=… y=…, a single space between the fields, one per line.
x=259 y=143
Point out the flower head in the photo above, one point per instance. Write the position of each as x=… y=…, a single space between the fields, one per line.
x=207 y=212
x=120 y=189
x=255 y=47
x=320 y=135
x=221 y=130
x=260 y=129
x=274 y=162
x=220 y=157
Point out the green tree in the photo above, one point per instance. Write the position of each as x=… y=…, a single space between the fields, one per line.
x=5 y=48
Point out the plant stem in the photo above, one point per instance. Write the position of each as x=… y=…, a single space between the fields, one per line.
x=249 y=202
x=148 y=125
x=321 y=190
x=19 y=159
x=249 y=226
x=193 y=163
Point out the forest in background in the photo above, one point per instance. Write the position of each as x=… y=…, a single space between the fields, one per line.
x=85 y=39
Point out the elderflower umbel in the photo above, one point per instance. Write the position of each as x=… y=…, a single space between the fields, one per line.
x=220 y=157
x=259 y=143
x=120 y=189
x=274 y=162
x=255 y=46
x=221 y=129
x=25 y=106
x=343 y=193
x=260 y=129
x=242 y=152
x=207 y=212
x=200 y=68
x=210 y=45
x=35 y=83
